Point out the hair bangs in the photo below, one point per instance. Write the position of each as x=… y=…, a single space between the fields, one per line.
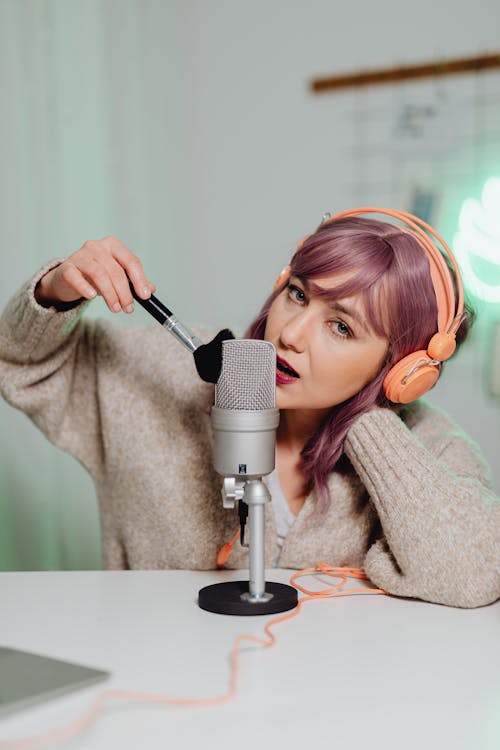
x=357 y=265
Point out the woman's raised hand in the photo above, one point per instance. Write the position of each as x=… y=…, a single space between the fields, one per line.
x=99 y=267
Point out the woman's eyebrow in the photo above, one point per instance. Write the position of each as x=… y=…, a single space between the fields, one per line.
x=351 y=312
x=337 y=305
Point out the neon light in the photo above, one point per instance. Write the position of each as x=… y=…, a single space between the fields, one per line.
x=478 y=237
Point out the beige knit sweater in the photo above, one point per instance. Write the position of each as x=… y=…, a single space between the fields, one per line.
x=416 y=511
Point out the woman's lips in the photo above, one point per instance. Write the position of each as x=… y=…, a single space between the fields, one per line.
x=285 y=377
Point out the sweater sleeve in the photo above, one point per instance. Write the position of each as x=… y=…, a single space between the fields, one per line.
x=47 y=370
x=439 y=516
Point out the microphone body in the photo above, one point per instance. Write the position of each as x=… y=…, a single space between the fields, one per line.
x=245 y=417
x=244 y=442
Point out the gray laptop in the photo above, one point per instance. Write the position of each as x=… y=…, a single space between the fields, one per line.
x=27 y=678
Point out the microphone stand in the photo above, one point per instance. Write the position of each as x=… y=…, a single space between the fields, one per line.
x=256 y=596
x=256 y=495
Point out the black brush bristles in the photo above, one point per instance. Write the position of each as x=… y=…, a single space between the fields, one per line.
x=208 y=357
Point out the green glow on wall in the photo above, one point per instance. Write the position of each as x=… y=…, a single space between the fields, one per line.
x=477 y=243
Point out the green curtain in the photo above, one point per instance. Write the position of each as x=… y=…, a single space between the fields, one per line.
x=85 y=152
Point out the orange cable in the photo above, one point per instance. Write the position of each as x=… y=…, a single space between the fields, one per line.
x=226 y=549
x=75 y=728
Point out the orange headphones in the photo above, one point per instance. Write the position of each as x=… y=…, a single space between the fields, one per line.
x=416 y=373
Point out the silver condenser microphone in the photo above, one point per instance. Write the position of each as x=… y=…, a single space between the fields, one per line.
x=244 y=420
x=245 y=417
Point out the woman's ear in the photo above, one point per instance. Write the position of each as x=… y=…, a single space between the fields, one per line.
x=282 y=278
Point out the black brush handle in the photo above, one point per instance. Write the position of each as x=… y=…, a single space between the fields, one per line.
x=207 y=357
x=153 y=306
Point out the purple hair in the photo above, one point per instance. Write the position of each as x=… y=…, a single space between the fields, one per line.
x=388 y=267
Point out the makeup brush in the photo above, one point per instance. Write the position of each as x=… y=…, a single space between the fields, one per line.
x=207 y=357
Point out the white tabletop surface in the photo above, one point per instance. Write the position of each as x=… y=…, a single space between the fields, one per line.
x=349 y=673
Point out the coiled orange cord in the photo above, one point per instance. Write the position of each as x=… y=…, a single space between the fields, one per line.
x=75 y=728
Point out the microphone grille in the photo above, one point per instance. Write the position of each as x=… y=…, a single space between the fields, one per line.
x=248 y=376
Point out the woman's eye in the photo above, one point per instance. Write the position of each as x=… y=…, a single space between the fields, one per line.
x=341 y=329
x=295 y=293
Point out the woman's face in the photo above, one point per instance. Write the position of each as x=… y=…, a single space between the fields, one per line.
x=330 y=346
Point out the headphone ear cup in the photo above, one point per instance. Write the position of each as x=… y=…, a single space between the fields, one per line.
x=415 y=383
x=441 y=346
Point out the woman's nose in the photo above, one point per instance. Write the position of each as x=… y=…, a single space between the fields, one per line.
x=294 y=332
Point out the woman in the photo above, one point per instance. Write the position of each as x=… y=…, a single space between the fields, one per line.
x=360 y=480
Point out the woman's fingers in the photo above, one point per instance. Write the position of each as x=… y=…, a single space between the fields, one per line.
x=98 y=276
x=74 y=283
x=119 y=281
x=107 y=265
x=132 y=266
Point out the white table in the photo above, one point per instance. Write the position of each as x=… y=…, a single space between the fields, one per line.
x=349 y=673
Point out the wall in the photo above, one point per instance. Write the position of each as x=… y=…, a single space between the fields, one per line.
x=187 y=129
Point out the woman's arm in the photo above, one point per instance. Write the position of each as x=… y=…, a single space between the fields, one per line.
x=48 y=355
x=440 y=518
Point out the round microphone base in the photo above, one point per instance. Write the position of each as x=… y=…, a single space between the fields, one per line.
x=232 y=598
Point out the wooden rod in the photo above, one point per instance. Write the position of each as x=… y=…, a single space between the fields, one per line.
x=406 y=73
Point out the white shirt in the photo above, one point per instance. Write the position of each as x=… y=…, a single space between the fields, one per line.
x=282 y=513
